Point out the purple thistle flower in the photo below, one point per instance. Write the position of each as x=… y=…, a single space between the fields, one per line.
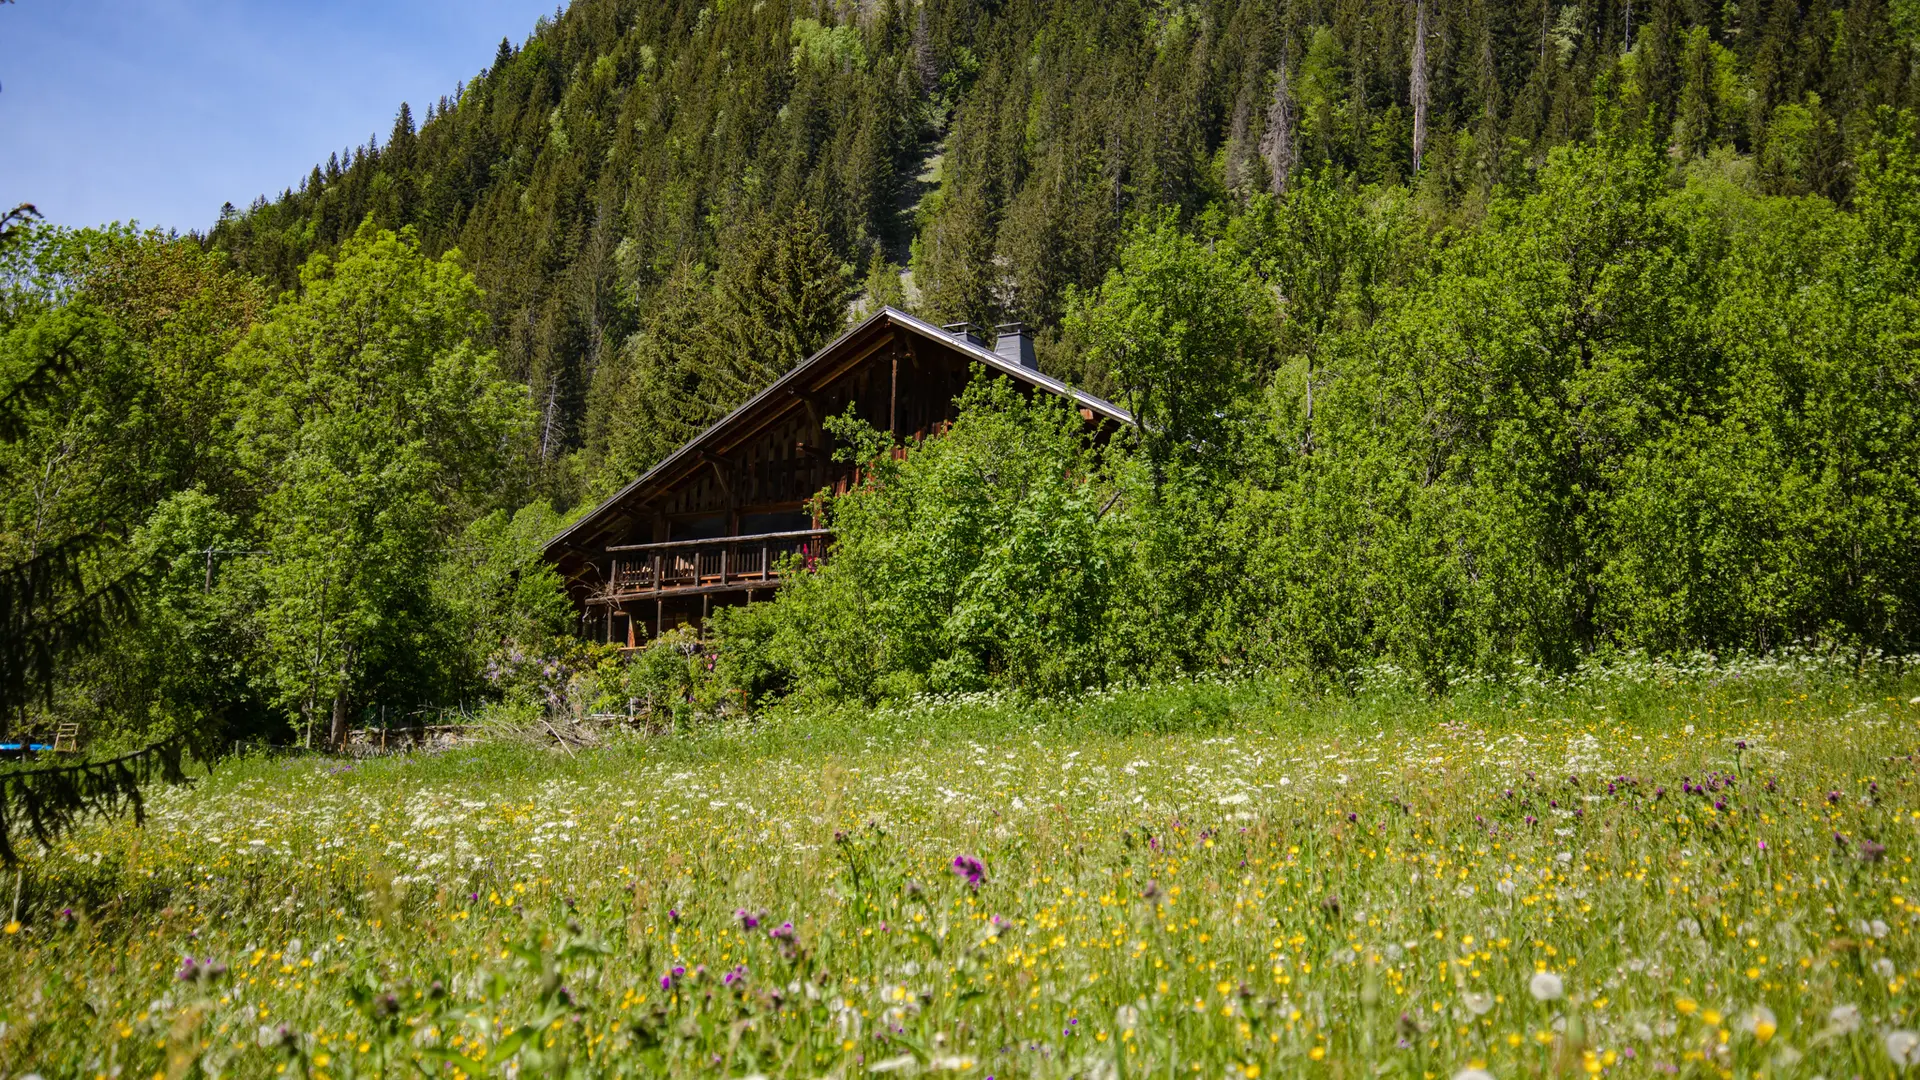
x=970 y=868
x=783 y=932
x=747 y=921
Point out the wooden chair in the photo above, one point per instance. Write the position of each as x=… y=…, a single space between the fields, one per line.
x=66 y=739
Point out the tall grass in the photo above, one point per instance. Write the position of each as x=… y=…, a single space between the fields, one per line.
x=1235 y=876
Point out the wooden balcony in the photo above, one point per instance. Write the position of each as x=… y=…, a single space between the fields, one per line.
x=697 y=567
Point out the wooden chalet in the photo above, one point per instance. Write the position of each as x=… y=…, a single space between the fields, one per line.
x=711 y=524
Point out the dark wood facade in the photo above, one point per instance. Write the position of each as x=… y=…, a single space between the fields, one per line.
x=712 y=523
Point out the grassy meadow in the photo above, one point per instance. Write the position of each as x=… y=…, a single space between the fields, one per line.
x=1643 y=870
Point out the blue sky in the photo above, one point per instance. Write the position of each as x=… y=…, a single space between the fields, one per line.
x=161 y=110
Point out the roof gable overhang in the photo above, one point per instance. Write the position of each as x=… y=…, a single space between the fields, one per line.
x=845 y=351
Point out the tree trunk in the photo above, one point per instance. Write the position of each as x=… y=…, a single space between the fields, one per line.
x=337 y=736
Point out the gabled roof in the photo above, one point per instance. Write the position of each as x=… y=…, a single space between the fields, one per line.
x=900 y=319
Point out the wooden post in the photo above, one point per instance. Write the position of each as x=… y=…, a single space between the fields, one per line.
x=893 y=397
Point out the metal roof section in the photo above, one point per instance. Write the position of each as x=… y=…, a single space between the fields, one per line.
x=978 y=353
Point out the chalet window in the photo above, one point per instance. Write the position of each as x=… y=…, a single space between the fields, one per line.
x=706 y=527
x=783 y=521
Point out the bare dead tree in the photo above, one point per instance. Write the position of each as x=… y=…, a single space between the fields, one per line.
x=1277 y=144
x=1417 y=82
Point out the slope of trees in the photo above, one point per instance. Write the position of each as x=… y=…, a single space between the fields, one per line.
x=999 y=151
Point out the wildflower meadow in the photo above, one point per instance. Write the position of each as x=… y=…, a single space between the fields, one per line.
x=1655 y=871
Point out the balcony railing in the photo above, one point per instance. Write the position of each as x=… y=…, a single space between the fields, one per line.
x=721 y=564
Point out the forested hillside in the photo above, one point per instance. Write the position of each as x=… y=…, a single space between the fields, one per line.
x=1464 y=336
x=999 y=150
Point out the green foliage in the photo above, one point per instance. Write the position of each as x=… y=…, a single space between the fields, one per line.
x=1619 y=414
x=186 y=666
x=669 y=684
x=1184 y=331
x=373 y=425
x=881 y=288
x=827 y=46
x=111 y=345
x=980 y=558
x=497 y=585
x=47 y=802
x=716 y=338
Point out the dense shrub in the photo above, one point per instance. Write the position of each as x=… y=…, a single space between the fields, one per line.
x=981 y=558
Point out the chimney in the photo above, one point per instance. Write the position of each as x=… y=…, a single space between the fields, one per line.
x=1013 y=343
x=966 y=332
